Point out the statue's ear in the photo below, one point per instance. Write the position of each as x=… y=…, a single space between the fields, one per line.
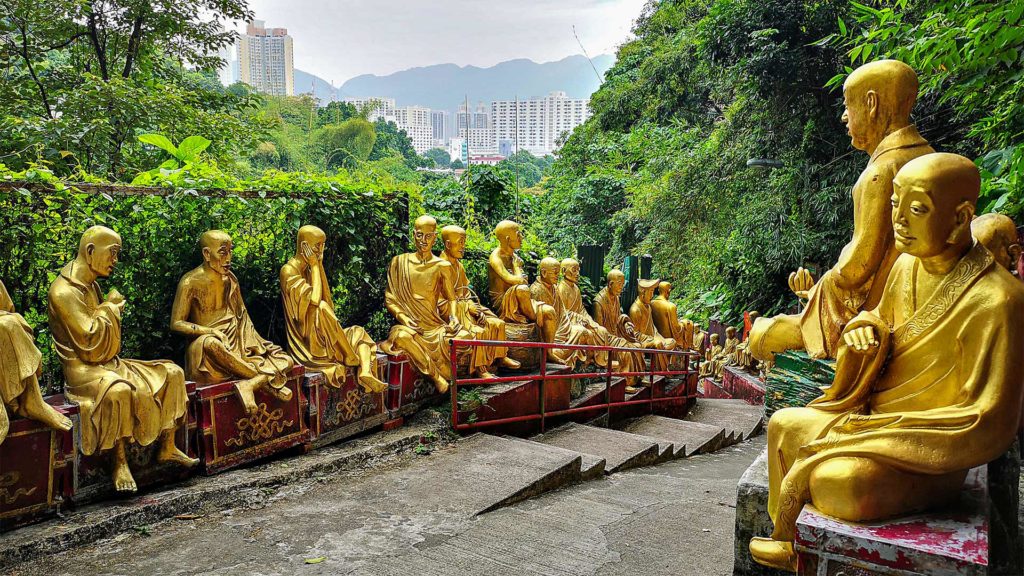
x=1015 y=251
x=964 y=215
x=871 y=103
x=89 y=250
x=206 y=253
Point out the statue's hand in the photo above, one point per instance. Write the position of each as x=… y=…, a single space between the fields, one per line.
x=309 y=255
x=219 y=335
x=801 y=282
x=861 y=339
x=408 y=321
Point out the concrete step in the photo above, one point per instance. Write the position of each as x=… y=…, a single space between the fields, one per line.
x=740 y=419
x=689 y=437
x=500 y=471
x=591 y=467
x=620 y=450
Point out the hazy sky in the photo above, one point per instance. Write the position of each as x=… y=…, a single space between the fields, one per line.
x=339 y=39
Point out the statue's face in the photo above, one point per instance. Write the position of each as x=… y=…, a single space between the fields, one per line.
x=103 y=256
x=571 y=273
x=218 y=256
x=922 y=226
x=425 y=237
x=730 y=332
x=515 y=239
x=859 y=116
x=615 y=285
x=549 y=274
x=455 y=246
x=646 y=294
x=315 y=249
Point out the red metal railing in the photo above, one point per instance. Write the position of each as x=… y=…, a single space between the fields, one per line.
x=692 y=365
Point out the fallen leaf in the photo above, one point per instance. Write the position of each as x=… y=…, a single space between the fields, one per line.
x=316 y=560
x=705 y=530
x=187 y=517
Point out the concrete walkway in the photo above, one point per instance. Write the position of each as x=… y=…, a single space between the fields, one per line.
x=407 y=516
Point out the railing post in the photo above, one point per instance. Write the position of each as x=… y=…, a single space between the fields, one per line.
x=543 y=380
x=608 y=391
x=454 y=384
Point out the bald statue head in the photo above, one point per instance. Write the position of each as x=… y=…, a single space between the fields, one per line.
x=217 y=246
x=454 y=239
x=879 y=97
x=424 y=234
x=616 y=281
x=664 y=289
x=998 y=233
x=933 y=205
x=549 y=270
x=309 y=244
x=100 y=249
x=509 y=234
x=570 y=270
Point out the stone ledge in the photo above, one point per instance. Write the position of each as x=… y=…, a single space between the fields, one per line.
x=202 y=495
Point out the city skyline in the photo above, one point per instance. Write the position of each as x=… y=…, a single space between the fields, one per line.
x=342 y=42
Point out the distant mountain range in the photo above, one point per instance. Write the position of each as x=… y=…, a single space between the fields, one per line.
x=444 y=86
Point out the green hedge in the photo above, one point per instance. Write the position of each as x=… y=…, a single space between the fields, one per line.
x=41 y=221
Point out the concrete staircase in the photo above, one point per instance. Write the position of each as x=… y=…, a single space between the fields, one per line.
x=507 y=469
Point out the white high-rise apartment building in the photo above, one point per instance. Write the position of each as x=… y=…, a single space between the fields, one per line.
x=418 y=124
x=541 y=120
x=379 y=107
x=265 y=59
x=441 y=122
x=480 y=136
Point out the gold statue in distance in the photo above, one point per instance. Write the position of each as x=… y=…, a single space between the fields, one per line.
x=711 y=356
x=928 y=385
x=315 y=336
x=480 y=322
x=998 y=233
x=572 y=329
x=20 y=367
x=667 y=320
x=641 y=314
x=879 y=98
x=119 y=400
x=608 y=313
x=209 y=309
x=509 y=287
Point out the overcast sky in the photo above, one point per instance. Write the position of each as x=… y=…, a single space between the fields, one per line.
x=340 y=39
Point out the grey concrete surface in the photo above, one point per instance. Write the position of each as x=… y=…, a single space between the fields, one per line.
x=688 y=437
x=408 y=516
x=744 y=420
x=620 y=450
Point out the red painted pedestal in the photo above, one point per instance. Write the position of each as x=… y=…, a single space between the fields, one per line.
x=950 y=542
x=407 y=390
x=230 y=438
x=35 y=471
x=339 y=413
x=511 y=399
x=742 y=385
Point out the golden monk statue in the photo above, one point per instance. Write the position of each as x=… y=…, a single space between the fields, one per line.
x=711 y=356
x=725 y=356
x=420 y=293
x=209 y=309
x=608 y=313
x=742 y=356
x=479 y=321
x=642 y=316
x=119 y=400
x=879 y=97
x=998 y=233
x=572 y=299
x=315 y=337
x=928 y=385
x=572 y=329
x=698 y=337
x=20 y=366
x=508 y=286
x=667 y=320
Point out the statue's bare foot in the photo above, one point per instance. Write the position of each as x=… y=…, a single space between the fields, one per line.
x=773 y=553
x=48 y=415
x=245 y=390
x=371 y=384
x=441 y=384
x=509 y=364
x=175 y=456
x=283 y=393
x=122 y=476
x=484 y=373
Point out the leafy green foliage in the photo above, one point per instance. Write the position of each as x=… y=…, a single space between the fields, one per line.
x=365 y=218
x=347 y=144
x=439 y=156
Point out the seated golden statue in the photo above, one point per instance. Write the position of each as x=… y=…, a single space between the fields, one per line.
x=209 y=309
x=879 y=98
x=928 y=385
x=641 y=314
x=667 y=320
x=508 y=286
x=420 y=293
x=20 y=366
x=478 y=320
x=699 y=336
x=998 y=233
x=119 y=400
x=742 y=357
x=315 y=337
x=572 y=299
x=726 y=355
x=711 y=356
x=608 y=313
x=572 y=329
